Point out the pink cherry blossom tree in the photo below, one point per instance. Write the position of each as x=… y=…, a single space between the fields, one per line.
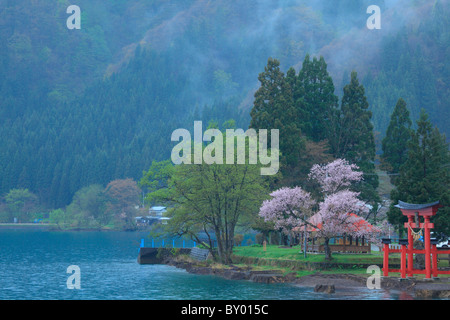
x=287 y=208
x=337 y=216
x=335 y=176
x=291 y=208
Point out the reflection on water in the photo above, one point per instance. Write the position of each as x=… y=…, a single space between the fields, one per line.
x=33 y=265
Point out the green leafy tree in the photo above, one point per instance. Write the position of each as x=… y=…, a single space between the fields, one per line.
x=425 y=176
x=157 y=176
x=21 y=203
x=58 y=217
x=88 y=208
x=208 y=199
x=395 y=144
x=266 y=228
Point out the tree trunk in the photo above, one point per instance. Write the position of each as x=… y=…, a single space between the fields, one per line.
x=327 y=249
x=220 y=247
x=226 y=259
x=227 y=256
x=305 y=244
x=224 y=248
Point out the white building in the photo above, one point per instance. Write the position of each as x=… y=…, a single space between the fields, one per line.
x=157 y=211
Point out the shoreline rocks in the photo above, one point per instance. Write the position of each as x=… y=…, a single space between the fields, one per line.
x=233 y=272
x=326 y=288
x=319 y=282
x=434 y=291
x=325 y=283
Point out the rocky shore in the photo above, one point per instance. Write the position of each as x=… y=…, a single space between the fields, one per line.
x=233 y=272
x=328 y=283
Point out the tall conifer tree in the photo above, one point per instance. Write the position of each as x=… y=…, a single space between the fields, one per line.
x=395 y=144
x=273 y=108
x=314 y=98
x=425 y=176
x=352 y=136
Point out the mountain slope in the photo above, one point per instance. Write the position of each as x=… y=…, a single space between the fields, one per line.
x=87 y=106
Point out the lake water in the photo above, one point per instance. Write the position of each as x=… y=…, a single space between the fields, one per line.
x=33 y=265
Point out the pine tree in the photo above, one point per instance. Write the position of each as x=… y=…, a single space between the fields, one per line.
x=425 y=176
x=273 y=108
x=266 y=107
x=394 y=145
x=314 y=98
x=352 y=136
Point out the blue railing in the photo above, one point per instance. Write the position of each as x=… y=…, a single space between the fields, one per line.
x=179 y=243
x=168 y=243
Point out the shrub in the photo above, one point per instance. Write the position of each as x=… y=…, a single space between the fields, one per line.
x=238 y=239
x=259 y=238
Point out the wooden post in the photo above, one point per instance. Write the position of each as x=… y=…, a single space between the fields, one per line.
x=403 y=262
x=386 y=260
x=403 y=243
x=434 y=259
x=410 y=247
x=264 y=246
x=427 y=248
x=386 y=243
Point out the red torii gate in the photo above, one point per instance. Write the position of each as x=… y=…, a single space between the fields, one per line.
x=414 y=212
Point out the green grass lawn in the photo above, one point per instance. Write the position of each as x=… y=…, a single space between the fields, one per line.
x=284 y=259
x=294 y=253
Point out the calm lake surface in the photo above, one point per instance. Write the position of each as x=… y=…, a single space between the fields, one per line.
x=33 y=265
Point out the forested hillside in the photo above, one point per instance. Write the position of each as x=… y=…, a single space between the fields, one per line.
x=82 y=107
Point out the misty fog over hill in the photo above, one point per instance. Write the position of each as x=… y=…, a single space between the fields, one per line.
x=87 y=106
